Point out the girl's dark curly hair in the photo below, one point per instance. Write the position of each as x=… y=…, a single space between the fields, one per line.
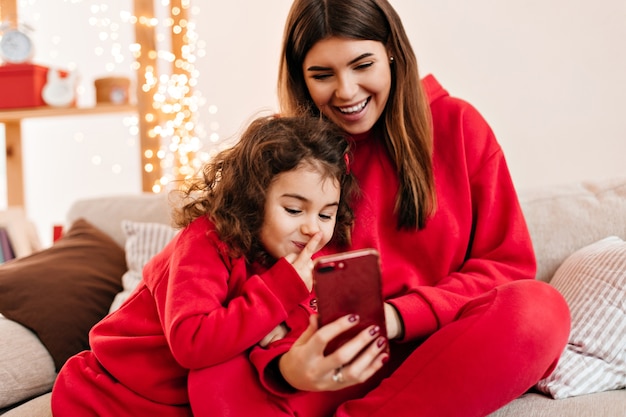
x=233 y=186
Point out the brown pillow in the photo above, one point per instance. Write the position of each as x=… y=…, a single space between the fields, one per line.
x=61 y=292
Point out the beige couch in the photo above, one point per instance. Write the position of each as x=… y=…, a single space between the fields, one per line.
x=562 y=220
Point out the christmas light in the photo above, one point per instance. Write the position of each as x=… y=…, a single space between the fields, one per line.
x=175 y=102
x=178 y=143
x=178 y=146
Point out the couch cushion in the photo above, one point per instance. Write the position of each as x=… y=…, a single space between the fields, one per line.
x=37 y=407
x=62 y=291
x=593 y=281
x=107 y=212
x=143 y=241
x=563 y=219
x=603 y=404
x=26 y=367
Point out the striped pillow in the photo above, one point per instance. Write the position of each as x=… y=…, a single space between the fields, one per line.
x=593 y=281
x=143 y=241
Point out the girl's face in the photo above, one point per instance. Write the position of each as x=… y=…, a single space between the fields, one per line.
x=349 y=81
x=299 y=204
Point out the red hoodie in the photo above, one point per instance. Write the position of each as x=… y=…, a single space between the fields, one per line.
x=476 y=240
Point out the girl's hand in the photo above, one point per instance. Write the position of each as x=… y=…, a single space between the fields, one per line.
x=277 y=333
x=302 y=262
x=306 y=368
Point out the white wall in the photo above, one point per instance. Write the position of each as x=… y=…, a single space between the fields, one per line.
x=549 y=76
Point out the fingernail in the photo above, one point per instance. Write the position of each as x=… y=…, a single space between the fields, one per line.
x=353 y=318
x=381 y=342
x=374 y=330
x=385 y=359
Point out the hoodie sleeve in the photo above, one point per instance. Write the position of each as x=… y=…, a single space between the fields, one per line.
x=212 y=311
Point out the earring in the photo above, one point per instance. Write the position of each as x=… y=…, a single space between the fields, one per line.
x=391 y=60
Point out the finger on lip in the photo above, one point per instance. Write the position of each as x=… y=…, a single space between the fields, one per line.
x=310 y=245
x=315 y=239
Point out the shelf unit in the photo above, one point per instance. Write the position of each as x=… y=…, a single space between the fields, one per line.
x=12 y=120
x=145 y=36
x=15 y=115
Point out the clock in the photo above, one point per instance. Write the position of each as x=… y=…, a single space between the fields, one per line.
x=15 y=46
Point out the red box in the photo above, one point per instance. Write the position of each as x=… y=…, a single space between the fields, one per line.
x=21 y=85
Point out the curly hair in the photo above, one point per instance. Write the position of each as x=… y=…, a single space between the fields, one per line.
x=233 y=186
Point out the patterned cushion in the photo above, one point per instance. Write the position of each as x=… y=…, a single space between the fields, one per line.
x=593 y=281
x=143 y=241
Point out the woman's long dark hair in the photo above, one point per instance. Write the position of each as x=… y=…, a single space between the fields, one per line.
x=406 y=121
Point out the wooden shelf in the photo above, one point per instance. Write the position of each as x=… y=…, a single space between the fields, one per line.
x=14 y=115
x=12 y=120
x=145 y=35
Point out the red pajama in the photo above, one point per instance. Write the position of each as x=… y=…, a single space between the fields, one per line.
x=174 y=321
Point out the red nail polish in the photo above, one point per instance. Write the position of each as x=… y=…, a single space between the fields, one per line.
x=374 y=330
x=381 y=342
x=353 y=318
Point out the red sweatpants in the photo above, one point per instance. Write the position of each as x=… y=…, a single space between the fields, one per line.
x=501 y=344
x=85 y=389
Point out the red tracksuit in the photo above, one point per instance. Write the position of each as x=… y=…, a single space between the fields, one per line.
x=195 y=308
x=478 y=329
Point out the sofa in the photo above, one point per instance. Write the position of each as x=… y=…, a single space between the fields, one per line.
x=578 y=232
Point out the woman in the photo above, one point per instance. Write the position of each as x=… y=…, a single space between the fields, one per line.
x=469 y=328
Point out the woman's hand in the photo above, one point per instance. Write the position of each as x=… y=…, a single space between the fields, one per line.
x=302 y=262
x=277 y=333
x=306 y=368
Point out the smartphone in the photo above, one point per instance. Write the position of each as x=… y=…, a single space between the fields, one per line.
x=349 y=283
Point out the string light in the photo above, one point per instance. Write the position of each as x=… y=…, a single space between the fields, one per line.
x=178 y=146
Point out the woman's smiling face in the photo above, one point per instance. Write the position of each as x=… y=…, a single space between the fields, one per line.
x=349 y=81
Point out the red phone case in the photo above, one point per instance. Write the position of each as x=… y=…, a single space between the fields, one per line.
x=349 y=283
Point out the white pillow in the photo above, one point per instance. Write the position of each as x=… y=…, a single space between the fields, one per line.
x=593 y=281
x=143 y=241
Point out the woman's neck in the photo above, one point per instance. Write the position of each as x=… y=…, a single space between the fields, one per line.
x=359 y=137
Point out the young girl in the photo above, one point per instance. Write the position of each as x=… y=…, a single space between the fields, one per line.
x=229 y=279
